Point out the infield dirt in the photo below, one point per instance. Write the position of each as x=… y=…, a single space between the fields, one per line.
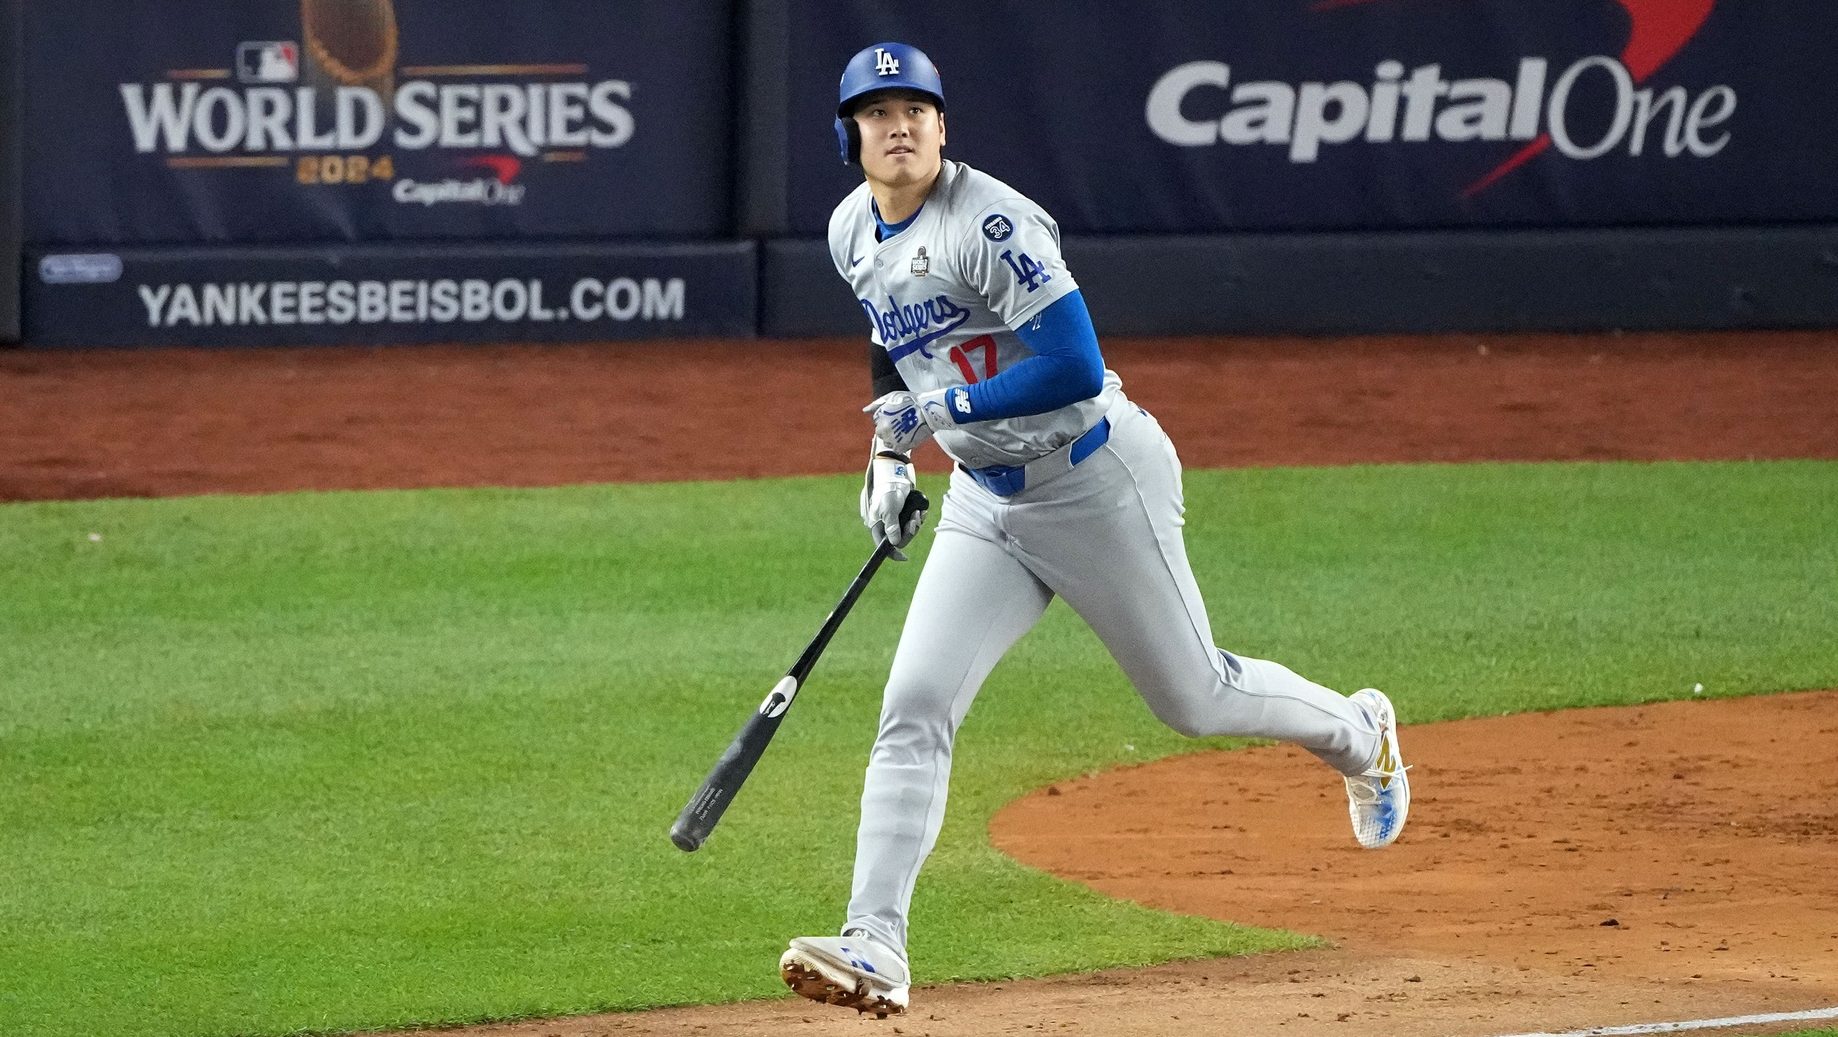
x=1561 y=871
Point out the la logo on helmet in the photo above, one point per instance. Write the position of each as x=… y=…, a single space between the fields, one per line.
x=885 y=64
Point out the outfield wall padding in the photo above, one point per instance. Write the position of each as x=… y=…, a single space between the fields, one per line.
x=1584 y=280
x=12 y=89
x=761 y=192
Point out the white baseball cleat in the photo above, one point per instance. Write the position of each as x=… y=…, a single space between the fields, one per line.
x=1378 y=799
x=853 y=970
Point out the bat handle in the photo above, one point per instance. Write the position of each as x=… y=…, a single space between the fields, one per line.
x=915 y=501
x=879 y=532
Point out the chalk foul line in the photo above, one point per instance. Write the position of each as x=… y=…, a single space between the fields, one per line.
x=1692 y=1024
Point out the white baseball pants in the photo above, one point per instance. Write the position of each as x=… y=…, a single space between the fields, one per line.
x=1106 y=536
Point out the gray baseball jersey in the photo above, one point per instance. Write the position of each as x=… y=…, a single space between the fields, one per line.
x=944 y=295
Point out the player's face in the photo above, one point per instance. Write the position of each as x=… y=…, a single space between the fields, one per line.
x=902 y=138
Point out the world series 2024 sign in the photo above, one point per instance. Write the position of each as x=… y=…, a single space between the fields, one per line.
x=348 y=120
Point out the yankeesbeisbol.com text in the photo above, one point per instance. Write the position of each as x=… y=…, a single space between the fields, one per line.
x=410 y=301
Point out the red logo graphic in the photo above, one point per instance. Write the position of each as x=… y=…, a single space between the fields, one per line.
x=1658 y=29
x=504 y=167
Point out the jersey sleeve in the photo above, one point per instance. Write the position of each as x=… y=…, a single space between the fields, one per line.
x=1010 y=256
x=839 y=241
x=1066 y=366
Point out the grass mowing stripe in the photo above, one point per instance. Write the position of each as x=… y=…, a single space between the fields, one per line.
x=338 y=761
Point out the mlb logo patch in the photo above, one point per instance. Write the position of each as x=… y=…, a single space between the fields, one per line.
x=273 y=61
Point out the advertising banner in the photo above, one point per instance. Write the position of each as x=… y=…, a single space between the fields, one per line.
x=212 y=121
x=333 y=295
x=1357 y=114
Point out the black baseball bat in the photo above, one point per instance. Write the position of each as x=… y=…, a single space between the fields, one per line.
x=705 y=808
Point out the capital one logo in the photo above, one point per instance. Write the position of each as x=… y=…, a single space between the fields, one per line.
x=1422 y=103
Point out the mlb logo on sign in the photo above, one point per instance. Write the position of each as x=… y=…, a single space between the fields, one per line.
x=268 y=62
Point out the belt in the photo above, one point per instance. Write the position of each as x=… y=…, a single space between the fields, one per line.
x=1006 y=480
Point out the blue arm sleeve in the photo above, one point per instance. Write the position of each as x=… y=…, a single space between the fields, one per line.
x=1066 y=366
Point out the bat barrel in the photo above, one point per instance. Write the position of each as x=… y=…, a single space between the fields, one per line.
x=704 y=809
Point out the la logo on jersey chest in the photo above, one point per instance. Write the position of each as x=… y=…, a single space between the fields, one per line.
x=922 y=264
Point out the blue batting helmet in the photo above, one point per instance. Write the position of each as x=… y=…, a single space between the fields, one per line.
x=884 y=66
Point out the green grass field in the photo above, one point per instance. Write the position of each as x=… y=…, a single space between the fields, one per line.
x=325 y=762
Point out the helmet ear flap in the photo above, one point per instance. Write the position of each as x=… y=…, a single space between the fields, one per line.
x=848 y=139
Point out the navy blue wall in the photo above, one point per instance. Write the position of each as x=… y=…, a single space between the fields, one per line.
x=12 y=21
x=1584 y=164
x=1245 y=166
x=1408 y=281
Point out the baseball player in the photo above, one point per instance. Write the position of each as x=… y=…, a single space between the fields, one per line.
x=981 y=342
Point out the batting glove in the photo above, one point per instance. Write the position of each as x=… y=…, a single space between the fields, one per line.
x=885 y=488
x=903 y=420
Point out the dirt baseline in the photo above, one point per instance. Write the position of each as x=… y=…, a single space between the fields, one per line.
x=1703 y=831
x=162 y=422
